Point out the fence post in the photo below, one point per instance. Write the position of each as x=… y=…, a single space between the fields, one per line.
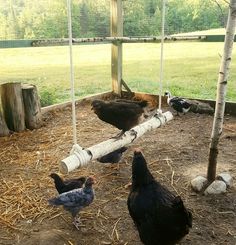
x=116 y=46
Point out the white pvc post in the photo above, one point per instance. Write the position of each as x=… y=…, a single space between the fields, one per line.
x=162 y=51
x=81 y=157
x=72 y=82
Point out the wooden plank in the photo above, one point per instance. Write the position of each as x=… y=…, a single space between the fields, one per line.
x=126 y=86
x=230 y=107
x=116 y=47
x=15 y=43
x=63 y=105
x=93 y=40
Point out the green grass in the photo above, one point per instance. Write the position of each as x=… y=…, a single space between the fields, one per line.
x=190 y=69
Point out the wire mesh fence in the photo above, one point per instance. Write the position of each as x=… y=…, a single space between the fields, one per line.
x=190 y=68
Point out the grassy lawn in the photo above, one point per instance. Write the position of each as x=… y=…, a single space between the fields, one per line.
x=216 y=31
x=190 y=69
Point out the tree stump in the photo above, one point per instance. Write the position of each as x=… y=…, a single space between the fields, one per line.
x=13 y=106
x=3 y=126
x=33 y=115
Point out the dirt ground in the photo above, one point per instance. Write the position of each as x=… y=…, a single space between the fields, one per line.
x=176 y=153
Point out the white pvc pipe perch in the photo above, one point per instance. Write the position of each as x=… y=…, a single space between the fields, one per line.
x=80 y=157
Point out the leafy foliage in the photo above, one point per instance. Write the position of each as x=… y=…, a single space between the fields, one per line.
x=26 y=19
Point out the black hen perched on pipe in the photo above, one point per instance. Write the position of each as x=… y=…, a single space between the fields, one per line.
x=67 y=185
x=123 y=114
x=159 y=215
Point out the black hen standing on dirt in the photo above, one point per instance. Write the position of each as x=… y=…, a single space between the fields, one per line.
x=67 y=185
x=122 y=114
x=75 y=200
x=159 y=215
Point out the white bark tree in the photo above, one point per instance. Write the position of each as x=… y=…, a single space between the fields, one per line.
x=221 y=91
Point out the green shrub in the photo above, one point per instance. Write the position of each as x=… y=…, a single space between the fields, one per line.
x=47 y=97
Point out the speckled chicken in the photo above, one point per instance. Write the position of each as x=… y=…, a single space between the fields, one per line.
x=160 y=217
x=67 y=185
x=122 y=114
x=177 y=103
x=75 y=200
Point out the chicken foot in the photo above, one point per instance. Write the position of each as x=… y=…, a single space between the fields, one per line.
x=119 y=135
x=77 y=223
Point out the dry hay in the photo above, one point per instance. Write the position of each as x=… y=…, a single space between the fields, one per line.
x=175 y=153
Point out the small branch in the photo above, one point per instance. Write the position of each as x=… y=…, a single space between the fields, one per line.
x=221 y=10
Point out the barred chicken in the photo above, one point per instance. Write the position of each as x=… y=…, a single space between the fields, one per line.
x=75 y=200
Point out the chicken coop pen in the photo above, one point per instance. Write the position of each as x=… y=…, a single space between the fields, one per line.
x=79 y=156
x=69 y=137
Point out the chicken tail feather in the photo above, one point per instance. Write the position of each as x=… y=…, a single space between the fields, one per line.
x=54 y=202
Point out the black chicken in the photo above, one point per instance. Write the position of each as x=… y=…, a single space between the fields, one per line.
x=75 y=200
x=67 y=185
x=122 y=114
x=142 y=103
x=159 y=215
x=113 y=157
x=177 y=103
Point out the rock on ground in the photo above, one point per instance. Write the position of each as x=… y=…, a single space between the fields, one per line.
x=216 y=187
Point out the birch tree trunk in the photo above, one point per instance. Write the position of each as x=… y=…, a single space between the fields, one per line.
x=221 y=91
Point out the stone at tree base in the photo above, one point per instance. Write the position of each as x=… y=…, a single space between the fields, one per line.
x=226 y=177
x=216 y=187
x=198 y=183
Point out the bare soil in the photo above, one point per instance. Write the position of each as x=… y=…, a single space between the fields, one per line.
x=176 y=153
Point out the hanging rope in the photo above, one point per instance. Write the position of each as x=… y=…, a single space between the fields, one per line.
x=162 y=51
x=72 y=82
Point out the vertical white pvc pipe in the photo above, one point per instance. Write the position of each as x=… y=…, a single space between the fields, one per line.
x=72 y=82
x=162 y=51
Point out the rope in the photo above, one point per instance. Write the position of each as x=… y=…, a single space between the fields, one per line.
x=72 y=82
x=162 y=51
